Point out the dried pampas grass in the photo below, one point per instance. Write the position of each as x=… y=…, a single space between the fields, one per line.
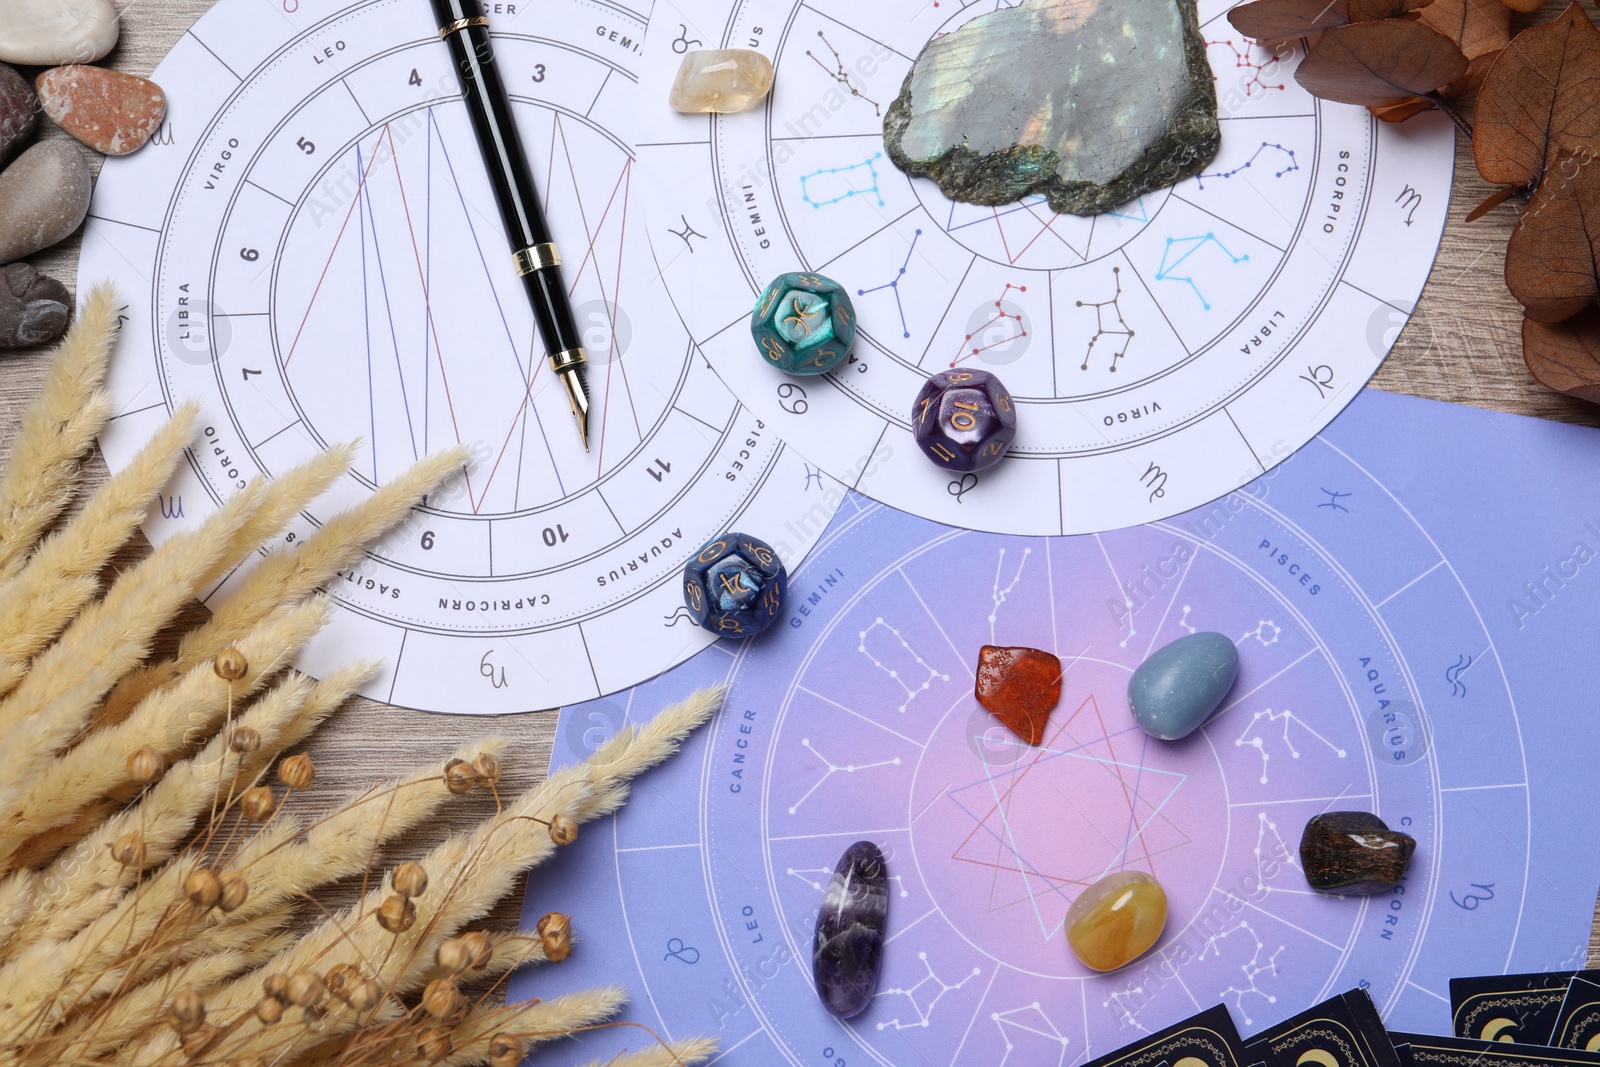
x=158 y=891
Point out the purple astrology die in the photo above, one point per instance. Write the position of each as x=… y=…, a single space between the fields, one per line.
x=964 y=420
x=847 y=953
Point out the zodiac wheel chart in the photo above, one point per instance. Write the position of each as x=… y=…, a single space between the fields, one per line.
x=1161 y=354
x=858 y=722
x=316 y=235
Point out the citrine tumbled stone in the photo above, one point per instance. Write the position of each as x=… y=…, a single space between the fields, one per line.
x=721 y=81
x=1020 y=687
x=1116 y=920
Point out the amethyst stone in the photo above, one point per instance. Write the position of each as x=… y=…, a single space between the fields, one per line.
x=964 y=420
x=848 y=951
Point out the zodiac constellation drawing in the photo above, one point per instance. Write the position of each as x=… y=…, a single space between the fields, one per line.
x=1109 y=323
x=1287 y=718
x=1252 y=969
x=924 y=1012
x=1011 y=1025
x=840 y=74
x=1000 y=318
x=930 y=673
x=846 y=190
x=1256 y=81
x=1283 y=155
x=893 y=285
x=1172 y=260
x=831 y=768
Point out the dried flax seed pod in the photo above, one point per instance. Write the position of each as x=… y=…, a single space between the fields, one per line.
x=487 y=766
x=269 y=1010
x=506 y=1050
x=146 y=765
x=563 y=829
x=442 y=1000
x=257 y=803
x=396 y=914
x=433 y=1044
x=555 y=930
x=459 y=776
x=410 y=880
x=235 y=890
x=187 y=1012
x=297 y=772
x=128 y=850
x=203 y=888
x=230 y=665
x=244 y=740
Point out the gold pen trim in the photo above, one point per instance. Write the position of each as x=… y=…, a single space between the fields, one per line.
x=461 y=24
x=568 y=360
x=537 y=257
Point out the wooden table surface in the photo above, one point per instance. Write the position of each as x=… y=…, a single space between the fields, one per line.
x=1463 y=344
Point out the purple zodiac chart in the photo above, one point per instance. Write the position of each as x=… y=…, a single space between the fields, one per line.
x=1162 y=353
x=1399 y=637
x=316 y=233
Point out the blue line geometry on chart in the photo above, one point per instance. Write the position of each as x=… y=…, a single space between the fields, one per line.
x=894 y=286
x=845 y=189
x=1453 y=673
x=924 y=1011
x=1285 y=156
x=1142 y=216
x=1288 y=718
x=1187 y=246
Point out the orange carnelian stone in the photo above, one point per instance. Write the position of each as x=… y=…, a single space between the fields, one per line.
x=1020 y=686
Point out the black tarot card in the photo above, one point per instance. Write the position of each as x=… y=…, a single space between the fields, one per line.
x=1206 y=1040
x=1511 y=1007
x=1430 y=1051
x=1578 y=1023
x=1344 y=1031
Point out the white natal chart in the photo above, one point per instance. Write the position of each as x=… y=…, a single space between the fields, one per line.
x=1161 y=354
x=312 y=248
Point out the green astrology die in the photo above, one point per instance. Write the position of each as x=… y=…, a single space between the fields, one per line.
x=804 y=324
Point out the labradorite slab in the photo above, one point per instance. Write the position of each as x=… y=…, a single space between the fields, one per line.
x=1091 y=102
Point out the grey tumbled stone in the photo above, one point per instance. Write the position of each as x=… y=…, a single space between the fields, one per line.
x=44 y=196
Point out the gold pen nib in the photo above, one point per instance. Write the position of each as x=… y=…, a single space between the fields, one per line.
x=579 y=398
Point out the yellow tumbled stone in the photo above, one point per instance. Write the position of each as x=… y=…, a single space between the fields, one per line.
x=1116 y=920
x=721 y=81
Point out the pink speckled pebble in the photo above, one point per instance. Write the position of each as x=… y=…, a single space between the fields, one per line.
x=107 y=110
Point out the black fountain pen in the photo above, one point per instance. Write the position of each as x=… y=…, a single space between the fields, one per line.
x=464 y=27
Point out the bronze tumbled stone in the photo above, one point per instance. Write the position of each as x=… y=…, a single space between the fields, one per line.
x=1354 y=852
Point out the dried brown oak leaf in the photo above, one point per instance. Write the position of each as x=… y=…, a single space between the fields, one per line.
x=1565 y=356
x=1524 y=6
x=1538 y=100
x=1272 y=22
x=1480 y=28
x=1551 y=261
x=1380 y=63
